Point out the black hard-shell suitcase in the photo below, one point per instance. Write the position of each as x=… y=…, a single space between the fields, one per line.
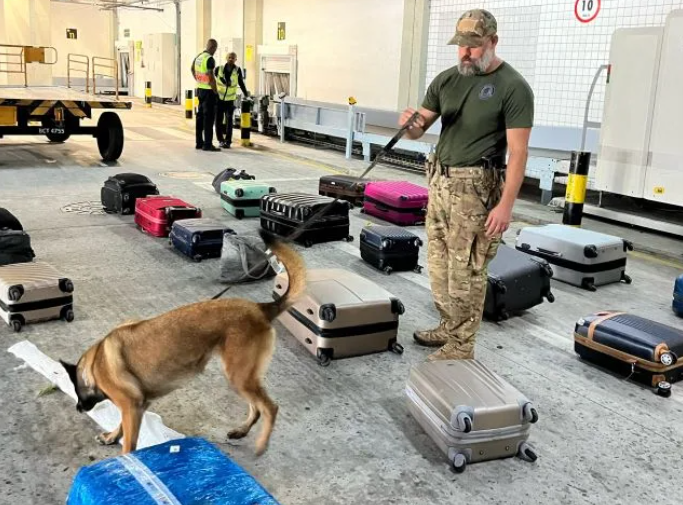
x=345 y=187
x=516 y=282
x=121 y=190
x=15 y=247
x=647 y=351
x=390 y=248
x=199 y=238
x=8 y=221
x=283 y=213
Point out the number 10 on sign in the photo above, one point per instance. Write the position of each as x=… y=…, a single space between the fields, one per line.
x=586 y=10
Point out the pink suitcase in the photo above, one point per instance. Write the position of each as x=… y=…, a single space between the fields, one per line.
x=156 y=214
x=398 y=202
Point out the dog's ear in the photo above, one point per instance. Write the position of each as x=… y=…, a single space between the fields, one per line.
x=71 y=370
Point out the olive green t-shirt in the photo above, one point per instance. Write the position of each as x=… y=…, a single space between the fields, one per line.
x=476 y=110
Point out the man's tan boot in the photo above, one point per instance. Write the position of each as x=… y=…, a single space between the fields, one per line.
x=430 y=338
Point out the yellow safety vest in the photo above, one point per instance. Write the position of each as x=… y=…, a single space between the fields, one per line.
x=227 y=93
x=201 y=71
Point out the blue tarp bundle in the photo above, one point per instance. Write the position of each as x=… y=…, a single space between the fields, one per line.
x=188 y=471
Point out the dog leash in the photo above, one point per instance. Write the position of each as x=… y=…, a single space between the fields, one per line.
x=315 y=217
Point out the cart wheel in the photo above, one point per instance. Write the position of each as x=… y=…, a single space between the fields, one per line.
x=663 y=389
x=69 y=316
x=49 y=122
x=110 y=136
x=550 y=297
x=16 y=325
x=388 y=270
x=397 y=348
x=197 y=258
x=459 y=463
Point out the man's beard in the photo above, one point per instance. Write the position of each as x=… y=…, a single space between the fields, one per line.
x=478 y=66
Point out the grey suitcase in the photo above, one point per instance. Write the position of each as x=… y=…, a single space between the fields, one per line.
x=31 y=292
x=471 y=413
x=578 y=256
x=341 y=315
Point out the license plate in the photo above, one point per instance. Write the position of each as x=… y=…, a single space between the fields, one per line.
x=51 y=130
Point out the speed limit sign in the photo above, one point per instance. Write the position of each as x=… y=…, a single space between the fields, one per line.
x=586 y=10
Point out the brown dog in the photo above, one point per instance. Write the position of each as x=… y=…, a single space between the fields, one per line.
x=142 y=360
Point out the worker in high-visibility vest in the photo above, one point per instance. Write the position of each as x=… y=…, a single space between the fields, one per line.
x=202 y=71
x=228 y=77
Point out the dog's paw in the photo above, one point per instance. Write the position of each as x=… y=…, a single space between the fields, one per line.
x=106 y=439
x=237 y=433
x=261 y=448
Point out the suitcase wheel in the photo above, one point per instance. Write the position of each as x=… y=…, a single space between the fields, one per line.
x=197 y=258
x=550 y=297
x=15 y=293
x=526 y=452
x=459 y=463
x=66 y=286
x=530 y=413
x=664 y=389
x=16 y=325
x=388 y=270
x=464 y=422
x=418 y=269
x=308 y=243
x=349 y=238
x=68 y=315
x=397 y=348
x=626 y=278
x=239 y=213
x=324 y=358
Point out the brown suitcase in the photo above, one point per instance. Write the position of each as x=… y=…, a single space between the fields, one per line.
x=342 y=315
x=31 y=292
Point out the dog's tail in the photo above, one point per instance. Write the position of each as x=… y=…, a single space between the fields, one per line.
x=296 y=272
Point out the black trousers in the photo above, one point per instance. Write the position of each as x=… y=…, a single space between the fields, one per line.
x=205 y=117
x=225 y=113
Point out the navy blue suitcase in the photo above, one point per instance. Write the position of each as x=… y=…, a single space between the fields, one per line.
x=199 y=238
x=390 y=248
x=677 y=304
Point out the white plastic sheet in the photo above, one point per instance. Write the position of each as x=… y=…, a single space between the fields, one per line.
x=152 y=431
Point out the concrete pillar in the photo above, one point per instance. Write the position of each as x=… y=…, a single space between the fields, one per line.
x=253 y=37
x=3 y=76
x=413 y=53
x=203 y=22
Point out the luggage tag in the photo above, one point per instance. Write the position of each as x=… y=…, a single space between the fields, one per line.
x=274 y=264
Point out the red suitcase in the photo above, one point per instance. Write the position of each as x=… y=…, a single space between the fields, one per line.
x=398 y=202
x=156 y=214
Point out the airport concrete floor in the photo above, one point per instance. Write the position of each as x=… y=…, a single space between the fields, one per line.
x=343 y=434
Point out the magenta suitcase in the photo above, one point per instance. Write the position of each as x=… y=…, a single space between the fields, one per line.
x=398 y=202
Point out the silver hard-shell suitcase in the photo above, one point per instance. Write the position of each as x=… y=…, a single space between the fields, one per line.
x=31 y=292
x=342 y=314
x=578 y=256
x=471 y=413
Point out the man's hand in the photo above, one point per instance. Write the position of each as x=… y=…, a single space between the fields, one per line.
x=498 y=220
x=421 y=123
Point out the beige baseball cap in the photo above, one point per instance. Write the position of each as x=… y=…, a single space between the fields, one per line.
x=473 y=27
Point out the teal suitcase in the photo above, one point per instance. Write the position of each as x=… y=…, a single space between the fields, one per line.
x=242 y=198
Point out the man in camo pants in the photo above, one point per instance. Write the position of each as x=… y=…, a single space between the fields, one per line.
x=486 y=109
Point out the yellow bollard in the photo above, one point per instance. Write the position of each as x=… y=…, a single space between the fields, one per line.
x=148 y=93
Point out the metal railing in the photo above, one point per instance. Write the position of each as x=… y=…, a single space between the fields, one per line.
x=74 y=63
x=109 y=64
x=20 y=56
